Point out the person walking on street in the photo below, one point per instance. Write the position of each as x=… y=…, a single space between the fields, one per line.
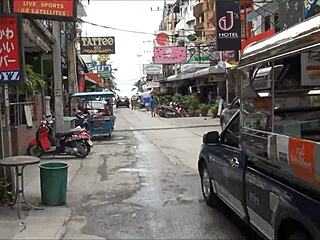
x=153 y=106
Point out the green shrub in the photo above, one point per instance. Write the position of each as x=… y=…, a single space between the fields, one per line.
x=192 y=102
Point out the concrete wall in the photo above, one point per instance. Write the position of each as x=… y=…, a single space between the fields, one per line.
x=21 y=135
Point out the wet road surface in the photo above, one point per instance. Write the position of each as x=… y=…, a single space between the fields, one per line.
x=141 y=192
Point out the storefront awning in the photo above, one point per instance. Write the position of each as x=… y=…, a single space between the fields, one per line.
x=180 y=77
x=200 y=73
x=265 y=10
x=93 y=78
x=210 y=70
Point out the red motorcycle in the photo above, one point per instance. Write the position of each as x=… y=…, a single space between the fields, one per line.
x=75 y=142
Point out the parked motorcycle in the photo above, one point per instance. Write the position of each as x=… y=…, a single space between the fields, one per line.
x=168 y=112
x=73 y=142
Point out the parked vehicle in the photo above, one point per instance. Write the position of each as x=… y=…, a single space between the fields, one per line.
x=73 y=142
x=94 y=107
x=97 y=123
x=265 y=163
x=123 y=102
x=168 y=112
x=229 y=111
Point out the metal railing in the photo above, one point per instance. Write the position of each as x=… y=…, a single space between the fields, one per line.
x=17 y=112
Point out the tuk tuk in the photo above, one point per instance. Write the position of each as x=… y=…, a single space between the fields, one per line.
x=96 y=109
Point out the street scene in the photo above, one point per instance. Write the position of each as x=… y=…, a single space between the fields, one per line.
x=160 y=119
x=142 y=183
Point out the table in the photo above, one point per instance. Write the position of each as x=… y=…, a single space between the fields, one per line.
x=19 y=163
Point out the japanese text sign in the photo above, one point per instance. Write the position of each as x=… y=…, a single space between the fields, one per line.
x=11 y=49
x=170 y=55
x=54 y=9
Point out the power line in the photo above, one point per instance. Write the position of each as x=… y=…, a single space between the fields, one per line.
x=113 y=28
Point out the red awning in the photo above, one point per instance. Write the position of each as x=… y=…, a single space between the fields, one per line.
x=93 y=77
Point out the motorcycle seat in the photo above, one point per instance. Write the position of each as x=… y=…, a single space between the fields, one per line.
x=70 y=132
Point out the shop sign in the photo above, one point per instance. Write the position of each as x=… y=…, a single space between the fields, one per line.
x=104 y=68
x=152 y=69
x=170 y=55
x=97 y=45
x=228 y=32
x=104 y=74
x=309 y=8
x=11 y=49
x=44 y=9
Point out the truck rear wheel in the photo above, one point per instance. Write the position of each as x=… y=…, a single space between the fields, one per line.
x=207 y=190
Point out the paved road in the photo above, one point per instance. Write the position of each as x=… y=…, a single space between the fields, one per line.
x=143 y=184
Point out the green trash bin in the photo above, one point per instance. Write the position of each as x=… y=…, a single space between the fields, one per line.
x=53 y=181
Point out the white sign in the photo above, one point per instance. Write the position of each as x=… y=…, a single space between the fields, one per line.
x=152 y=69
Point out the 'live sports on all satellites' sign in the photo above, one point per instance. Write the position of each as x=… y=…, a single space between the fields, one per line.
x=97 y=45
x=11 y=49
x=44 y=9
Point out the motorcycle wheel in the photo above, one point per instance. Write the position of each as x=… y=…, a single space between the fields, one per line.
x=83 y=149
x=35 y=150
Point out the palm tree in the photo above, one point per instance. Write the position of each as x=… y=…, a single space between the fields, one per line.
x=138 y=85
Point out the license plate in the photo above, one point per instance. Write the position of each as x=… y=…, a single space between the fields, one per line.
x=90 y=143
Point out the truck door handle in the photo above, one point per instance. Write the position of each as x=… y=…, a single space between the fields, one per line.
x=234 y=162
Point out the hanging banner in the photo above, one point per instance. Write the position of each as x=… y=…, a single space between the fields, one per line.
x=11 y=49
x=170 y=55
x=97 y=45
x=44 y=9
x=228 y=25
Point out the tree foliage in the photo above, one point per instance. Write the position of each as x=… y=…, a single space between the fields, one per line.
x=34 y=81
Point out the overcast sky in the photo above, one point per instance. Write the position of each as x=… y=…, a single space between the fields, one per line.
x=132 y=49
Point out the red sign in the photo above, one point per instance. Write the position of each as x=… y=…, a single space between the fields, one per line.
x=11 y=67
x=52 y=9
x=162 y=39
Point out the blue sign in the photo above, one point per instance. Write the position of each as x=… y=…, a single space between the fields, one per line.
x=309 y=7
x=104 y=68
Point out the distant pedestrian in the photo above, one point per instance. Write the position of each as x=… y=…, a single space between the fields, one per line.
x=153 y=106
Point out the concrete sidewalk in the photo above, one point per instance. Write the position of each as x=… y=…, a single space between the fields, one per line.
x=37 y=224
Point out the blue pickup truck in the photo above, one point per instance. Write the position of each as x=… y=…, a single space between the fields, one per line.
x=265 y=164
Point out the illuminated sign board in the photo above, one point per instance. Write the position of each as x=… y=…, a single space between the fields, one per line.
x=44 y=9
x=97 y=45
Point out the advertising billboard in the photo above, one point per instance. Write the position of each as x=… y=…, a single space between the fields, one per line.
x=170 y=55
x=152 y=69
x=228 y=25
x=97 y=45
x=11 y=49
x=44 y=9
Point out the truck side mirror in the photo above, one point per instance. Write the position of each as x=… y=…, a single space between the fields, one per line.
x=211 y=138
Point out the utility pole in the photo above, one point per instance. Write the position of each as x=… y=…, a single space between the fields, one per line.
x=6 y=9
x=57 y=78
x=72 y=71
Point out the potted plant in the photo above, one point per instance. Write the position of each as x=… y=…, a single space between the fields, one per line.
x=204 y=108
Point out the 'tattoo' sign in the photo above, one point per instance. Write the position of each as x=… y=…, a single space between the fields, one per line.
x=97 y=45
